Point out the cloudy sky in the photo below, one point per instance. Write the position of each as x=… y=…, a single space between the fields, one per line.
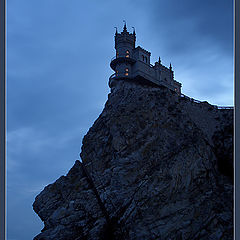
x=58 y=55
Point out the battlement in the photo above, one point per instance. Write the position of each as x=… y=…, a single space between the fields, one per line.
x=143 y=50
x=125 y=38
x=164 y=68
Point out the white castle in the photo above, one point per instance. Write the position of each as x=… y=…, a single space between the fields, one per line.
x=133 y=63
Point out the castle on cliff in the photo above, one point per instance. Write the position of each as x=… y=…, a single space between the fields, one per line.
x=133 y=63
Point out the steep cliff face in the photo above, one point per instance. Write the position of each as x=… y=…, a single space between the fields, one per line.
x=155 y=166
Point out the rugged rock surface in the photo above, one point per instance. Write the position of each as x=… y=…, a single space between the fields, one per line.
x=157 y=166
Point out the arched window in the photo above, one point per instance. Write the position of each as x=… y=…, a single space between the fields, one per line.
x=126 y=71
x=127 y=54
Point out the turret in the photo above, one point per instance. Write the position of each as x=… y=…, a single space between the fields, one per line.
x=171 y=72
x=124 y=42
x=124 y=45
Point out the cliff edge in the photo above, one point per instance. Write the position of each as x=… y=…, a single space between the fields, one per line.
x=154 y=166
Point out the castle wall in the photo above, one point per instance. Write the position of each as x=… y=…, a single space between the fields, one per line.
x=144 y=69
x=122 y=48
x=121 y=68
x=165 y=75
x=142 y=55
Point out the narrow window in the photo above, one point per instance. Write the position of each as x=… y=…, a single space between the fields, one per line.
x=117 y=54
x=126 y=72
x=146 y=59
x=116 y=72
x=142 y=57
x=127 y=54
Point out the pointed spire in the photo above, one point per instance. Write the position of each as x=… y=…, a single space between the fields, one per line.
x=116 y=31
x=170 y=67
x=134 y=31
x=159 y=60
x=125 y=27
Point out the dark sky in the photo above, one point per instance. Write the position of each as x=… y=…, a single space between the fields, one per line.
x=58 y=55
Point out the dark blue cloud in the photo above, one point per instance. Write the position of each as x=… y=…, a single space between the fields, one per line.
x=187 y=22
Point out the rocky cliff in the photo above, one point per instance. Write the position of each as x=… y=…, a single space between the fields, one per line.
x=154 y=165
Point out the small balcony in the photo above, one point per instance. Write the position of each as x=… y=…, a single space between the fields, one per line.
x=113 y=58
x=120 y=75
x=121 y=59
x=113 y=76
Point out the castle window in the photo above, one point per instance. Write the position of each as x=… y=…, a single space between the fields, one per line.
x=146 y=59
x=127 y=54
x=126 y=71
x=142 y=57
x=116 y=54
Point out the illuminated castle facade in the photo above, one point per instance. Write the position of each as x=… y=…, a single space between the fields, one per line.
x=133 y=63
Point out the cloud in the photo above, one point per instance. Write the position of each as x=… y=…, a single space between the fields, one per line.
x=204 y=20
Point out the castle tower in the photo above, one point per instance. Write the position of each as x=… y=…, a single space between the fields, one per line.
x=133 y=64
x=124 y=45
